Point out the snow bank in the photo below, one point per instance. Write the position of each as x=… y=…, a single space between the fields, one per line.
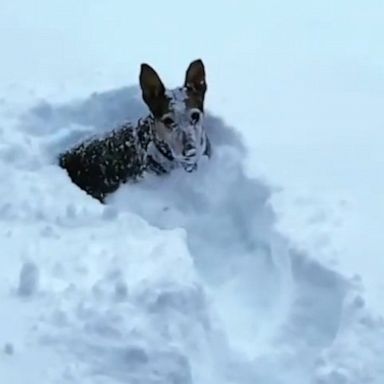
x=182 y=279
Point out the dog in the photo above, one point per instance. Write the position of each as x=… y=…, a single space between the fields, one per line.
x=171 y=136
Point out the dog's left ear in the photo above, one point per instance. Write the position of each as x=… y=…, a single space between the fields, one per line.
x=195 y=77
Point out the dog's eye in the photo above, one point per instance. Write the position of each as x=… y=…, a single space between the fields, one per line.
x=195 y=117
x=168 y=121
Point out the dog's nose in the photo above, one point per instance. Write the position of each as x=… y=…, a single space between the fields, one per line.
x=189 y=150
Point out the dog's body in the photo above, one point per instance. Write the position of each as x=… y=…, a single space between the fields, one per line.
x=170 y=137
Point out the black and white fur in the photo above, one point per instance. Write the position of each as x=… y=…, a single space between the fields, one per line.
x=172 y=136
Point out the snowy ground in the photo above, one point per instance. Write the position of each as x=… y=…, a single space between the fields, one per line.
x=264 y=267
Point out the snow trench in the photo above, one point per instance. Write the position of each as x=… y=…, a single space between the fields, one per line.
x=177 y=280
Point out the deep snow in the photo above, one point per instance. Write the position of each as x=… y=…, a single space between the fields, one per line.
x=178 y=279
x=214 y=277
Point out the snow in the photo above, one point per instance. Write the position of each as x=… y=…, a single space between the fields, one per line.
x=265 y=266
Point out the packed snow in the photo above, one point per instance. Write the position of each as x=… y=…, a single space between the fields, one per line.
x=264 y=266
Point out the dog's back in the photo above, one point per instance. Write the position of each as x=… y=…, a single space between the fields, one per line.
x=100 y=165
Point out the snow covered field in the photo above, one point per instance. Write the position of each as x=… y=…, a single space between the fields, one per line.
x=266 y=266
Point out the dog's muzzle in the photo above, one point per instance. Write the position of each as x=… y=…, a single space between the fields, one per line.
x=189 y=162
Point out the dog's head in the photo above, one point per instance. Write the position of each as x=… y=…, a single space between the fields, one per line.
x=178 y=113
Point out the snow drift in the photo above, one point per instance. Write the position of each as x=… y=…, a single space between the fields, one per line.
x=181 y=279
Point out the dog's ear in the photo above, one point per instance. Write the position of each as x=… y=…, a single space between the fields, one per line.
x=152 y=87
x=150 y=83
x=195 y=77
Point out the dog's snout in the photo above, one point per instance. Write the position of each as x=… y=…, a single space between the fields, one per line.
x=189 y=150
x=190 y=154
x=188 y=147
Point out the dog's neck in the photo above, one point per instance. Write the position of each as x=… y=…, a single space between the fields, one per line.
x=156 y=153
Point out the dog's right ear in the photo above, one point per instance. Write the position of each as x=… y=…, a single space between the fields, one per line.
x=150 y=83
